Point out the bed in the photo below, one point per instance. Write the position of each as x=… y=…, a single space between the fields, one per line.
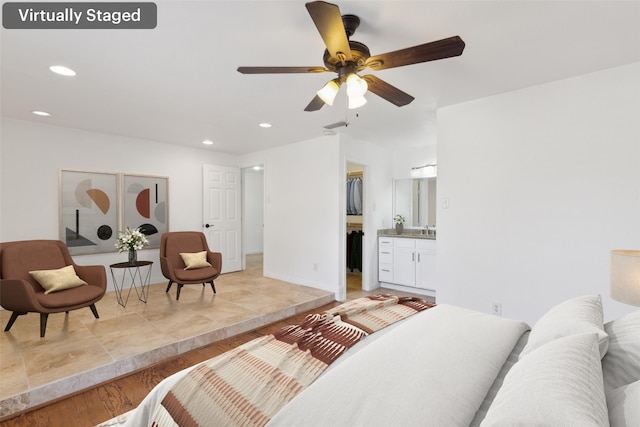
x=425 y=365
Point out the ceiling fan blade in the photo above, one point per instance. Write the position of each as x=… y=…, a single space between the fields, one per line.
x=440 y=49
x=336 y=125
x=328 y=20
x=387 y=91
x=315 y=104
x=280 y=70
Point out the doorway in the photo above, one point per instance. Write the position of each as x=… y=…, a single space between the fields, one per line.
x=253 y=217
x=354 y=240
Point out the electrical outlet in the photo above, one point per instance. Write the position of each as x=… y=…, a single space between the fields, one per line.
x=496 y=308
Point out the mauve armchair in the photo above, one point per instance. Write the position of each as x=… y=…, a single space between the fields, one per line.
x=22 y=294
x=172 y=244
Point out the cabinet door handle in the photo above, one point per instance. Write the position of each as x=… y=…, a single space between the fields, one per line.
x=386 y=271
x=418 y=257
x=413 y=257
x=387 y=253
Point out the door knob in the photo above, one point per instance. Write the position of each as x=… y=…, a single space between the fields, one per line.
x=208 y=225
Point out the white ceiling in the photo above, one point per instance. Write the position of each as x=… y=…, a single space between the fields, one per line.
x=178 y=83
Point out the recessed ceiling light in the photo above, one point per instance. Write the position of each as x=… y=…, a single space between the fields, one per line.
x=265 y=125
x=62 y=70
x=41 y=113
x=207 y=142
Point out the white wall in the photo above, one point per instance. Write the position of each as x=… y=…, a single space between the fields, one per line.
x=32 y=155
x=542 y=183
x=406 y=158
x=301 y=218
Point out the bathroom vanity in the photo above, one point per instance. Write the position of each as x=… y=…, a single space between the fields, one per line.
x=407 y=262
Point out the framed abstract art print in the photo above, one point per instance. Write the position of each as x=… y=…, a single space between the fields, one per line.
x=88 y=211
x=146 y=205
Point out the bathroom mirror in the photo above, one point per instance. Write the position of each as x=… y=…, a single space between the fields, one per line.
x=415 y=199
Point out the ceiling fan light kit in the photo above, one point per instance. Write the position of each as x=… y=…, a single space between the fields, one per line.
x=348 y=57
x=356 y=86
x=356 y=102
x=329 y=91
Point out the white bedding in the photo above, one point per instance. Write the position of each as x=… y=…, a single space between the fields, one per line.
x=435 y=369
x=446 y=365
x=471 y=347
x=497 y=383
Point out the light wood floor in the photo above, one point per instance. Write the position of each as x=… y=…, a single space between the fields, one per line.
x=354 y=281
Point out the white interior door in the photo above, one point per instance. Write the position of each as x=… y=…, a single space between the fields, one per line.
x=221 y=216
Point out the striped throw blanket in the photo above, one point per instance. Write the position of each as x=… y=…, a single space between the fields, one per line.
x=248 y=385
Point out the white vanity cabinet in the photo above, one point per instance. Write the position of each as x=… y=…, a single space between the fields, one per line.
x=404 y=262
x=385 y=259
x=407 y=262
x=426 y=264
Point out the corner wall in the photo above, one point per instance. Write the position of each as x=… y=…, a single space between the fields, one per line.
x=542 y=183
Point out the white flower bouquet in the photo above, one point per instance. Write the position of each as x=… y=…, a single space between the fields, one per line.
x=131 y=240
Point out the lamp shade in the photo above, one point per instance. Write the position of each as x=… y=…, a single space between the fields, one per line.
x=356 y=101
x=356 y=85
x=328 y=92
x=625 y=276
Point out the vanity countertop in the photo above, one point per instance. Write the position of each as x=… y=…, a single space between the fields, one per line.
x=408 y=233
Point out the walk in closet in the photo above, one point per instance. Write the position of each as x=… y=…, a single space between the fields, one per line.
x=354 y=215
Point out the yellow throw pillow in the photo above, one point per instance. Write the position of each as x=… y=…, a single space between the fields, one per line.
x=195 y=260
x=57 y=280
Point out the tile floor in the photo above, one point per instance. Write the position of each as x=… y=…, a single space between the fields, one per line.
x=79 y=351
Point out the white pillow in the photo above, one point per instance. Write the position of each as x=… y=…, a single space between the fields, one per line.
x=581 y=315
x=58 y=279
x=558 y=384
x=624 y=405
x=621 y=365
x=195 y=260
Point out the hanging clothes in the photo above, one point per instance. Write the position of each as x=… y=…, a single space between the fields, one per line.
x=354 y=250
x=354 y=196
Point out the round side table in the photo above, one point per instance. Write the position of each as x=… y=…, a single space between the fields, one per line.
x=133 y=276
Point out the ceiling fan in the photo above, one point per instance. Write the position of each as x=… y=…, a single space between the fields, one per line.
x=348 y=57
